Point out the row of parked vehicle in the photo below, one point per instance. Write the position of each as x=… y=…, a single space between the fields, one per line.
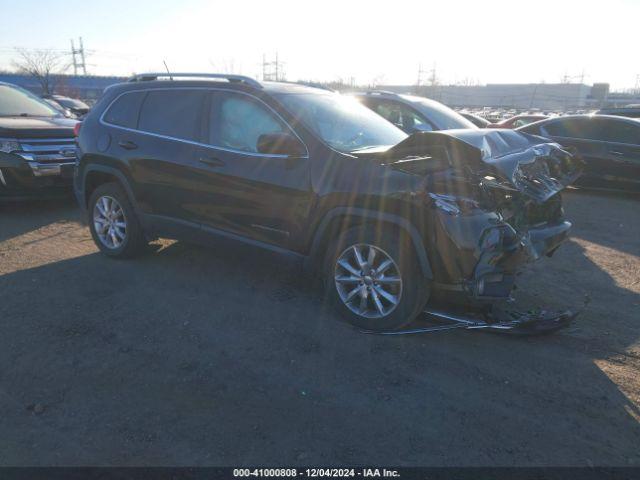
x=608 y=142
x=394 y=200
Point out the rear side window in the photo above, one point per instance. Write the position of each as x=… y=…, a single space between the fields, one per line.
x=174 y=113
x=124 y=111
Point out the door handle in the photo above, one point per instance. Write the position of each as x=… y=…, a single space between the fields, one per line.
x=615 y=152
x=127 y=144
x=212 y=161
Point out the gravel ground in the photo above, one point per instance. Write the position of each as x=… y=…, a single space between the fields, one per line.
x=224 y=356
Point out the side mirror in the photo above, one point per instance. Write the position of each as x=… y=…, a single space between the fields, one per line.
x=280 y=144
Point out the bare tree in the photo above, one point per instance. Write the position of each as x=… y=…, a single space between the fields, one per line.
x=43 y=65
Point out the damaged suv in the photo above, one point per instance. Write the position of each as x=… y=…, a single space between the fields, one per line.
x=389 y=220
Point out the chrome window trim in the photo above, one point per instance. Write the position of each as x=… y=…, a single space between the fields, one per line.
x=102 y=121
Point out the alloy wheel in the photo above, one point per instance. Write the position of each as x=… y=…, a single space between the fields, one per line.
x=368 y=281
x=109 y=222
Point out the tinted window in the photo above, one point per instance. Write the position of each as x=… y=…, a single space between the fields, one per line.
x=623 y=132
x=443 y=117
x=237 y=121
x=124 y=111
x=532 y=129
x=583 y=128
x=174 y=113
x=400 y=115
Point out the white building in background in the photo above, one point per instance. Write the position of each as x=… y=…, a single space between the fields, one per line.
x=543 y=96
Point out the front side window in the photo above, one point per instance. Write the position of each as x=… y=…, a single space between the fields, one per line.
x=17 y=102
x=560 y=128
x=341 y=122
x=580 y=128
x=237 y=121
x=623 y=132
x=443 y=117
x=174 y=113
x=401 y=116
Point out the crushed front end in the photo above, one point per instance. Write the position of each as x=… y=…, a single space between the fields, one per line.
x=495 y=208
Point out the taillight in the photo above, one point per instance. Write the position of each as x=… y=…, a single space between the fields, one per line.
x=76 y=129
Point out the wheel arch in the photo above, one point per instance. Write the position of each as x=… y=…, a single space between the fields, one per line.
x=96 y=175
x=341 y=218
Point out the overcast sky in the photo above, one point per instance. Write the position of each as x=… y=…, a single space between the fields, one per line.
x=479 y=41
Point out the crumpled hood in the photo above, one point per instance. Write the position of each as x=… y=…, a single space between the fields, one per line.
x=528 y=163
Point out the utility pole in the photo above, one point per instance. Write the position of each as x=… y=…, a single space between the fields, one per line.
x=272 y=71
x=78 y=58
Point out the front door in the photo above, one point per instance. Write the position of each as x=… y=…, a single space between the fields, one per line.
x=260 y=196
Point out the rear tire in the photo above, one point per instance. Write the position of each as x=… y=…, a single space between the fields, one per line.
x=113 y=223
x=373 y=280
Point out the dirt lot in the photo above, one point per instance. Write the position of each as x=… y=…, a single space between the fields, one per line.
x=225 y=356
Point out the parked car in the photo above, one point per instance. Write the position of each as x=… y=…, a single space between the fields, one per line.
x=631 y=112
x=64 y=111
x=518 y=121
x=387 y=219
x=609 y=146
x=75 y=106
x=413 y=114
x=37 y=147
x=477 y=120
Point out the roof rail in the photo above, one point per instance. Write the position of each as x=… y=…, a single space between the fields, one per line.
x=147 y=77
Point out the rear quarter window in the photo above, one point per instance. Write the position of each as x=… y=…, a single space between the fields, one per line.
x=124 y=111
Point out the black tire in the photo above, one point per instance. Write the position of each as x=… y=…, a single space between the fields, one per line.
x=415 y=287
x=134 y=241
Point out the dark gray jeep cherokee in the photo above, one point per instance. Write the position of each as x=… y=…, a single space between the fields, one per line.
x=389 y=220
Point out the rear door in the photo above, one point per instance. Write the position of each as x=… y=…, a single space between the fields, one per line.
x=260 y=196
x=164 y=152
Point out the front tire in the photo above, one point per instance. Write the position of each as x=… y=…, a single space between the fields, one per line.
x=113 y=223
x=372 y=278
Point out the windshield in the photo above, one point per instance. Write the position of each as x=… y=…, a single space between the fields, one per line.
x=16 y=102
x=341 y=122
x=444 y=117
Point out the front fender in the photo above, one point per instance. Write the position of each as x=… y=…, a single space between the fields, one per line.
x=349 y=213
